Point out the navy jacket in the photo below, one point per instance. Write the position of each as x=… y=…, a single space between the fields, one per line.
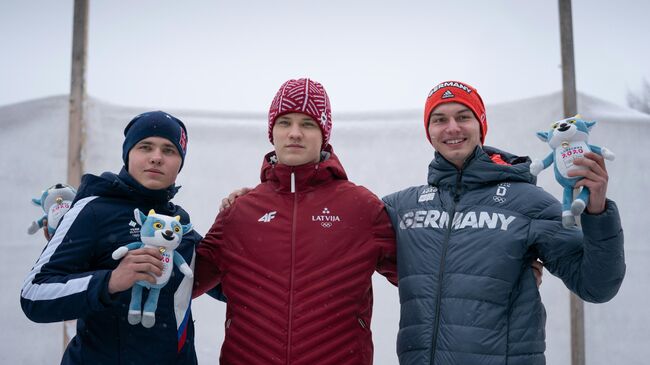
x=70 y=278
x=465 y=242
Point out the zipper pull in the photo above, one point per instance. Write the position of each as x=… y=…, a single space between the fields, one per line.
x=293 y=182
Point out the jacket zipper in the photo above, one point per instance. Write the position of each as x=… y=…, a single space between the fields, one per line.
x=293 y=261
x=450 y=225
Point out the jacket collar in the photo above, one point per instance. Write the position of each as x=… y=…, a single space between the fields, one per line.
x=480 y=169
x=123 y=186
x=155 y=196
x=306 y=177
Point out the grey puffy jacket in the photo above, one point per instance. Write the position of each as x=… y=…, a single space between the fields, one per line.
x=466 y=286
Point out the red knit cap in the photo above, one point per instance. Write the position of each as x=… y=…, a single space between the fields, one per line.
x=456 y=92
x=303 y=96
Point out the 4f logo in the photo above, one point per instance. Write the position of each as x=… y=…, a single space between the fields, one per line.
x=267 y=217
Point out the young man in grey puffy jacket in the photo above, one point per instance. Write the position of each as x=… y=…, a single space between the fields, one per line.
x=466 y=238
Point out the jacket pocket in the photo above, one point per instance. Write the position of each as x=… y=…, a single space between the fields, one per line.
x=364 y=340
x=362 y=323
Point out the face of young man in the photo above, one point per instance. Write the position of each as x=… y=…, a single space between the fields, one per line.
x=454 y=132
x=297 y=139
x=154 y=162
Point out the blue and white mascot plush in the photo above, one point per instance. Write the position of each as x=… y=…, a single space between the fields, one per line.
x=164 y=233
x=55 y=202
x=568 y=140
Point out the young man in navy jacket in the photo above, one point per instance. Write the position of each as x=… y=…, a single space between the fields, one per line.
x=76 y=278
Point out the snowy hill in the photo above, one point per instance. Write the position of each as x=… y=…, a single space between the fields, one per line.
x=383 y=151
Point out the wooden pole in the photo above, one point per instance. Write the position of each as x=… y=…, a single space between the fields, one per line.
x=76 y=121
x=569 y=97
x=77 y=91
x=568 y=64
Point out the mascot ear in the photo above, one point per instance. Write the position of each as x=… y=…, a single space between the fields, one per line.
x=187 y=228
x=139 y=217
x=543 y=136
x=590 y=125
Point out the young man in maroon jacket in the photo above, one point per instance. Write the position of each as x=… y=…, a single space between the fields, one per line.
x=295 y=255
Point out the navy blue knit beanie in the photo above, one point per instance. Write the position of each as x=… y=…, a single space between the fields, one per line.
x=155 y=124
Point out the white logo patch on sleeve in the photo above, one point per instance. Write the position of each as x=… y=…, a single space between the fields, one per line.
x=427 y=194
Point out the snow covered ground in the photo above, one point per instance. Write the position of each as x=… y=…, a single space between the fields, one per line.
x=383 y=151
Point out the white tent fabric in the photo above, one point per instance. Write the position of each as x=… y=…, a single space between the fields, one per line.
x=383 y=151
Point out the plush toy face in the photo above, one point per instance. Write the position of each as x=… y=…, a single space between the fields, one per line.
x=567 y=130
x=161 y=230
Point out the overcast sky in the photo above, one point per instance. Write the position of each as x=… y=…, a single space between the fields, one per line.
x=370 y=55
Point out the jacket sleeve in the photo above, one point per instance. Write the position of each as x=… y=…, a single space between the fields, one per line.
x=207 y=274
x=590 y=262
x=62 y=285
x=384 y=236
x=391 y=210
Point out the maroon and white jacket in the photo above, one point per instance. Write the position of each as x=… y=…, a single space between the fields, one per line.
x=296 y=267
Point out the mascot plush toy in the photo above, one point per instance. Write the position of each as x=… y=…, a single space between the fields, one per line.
x=164 y=233
x=55 y=202
x=568 y=141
